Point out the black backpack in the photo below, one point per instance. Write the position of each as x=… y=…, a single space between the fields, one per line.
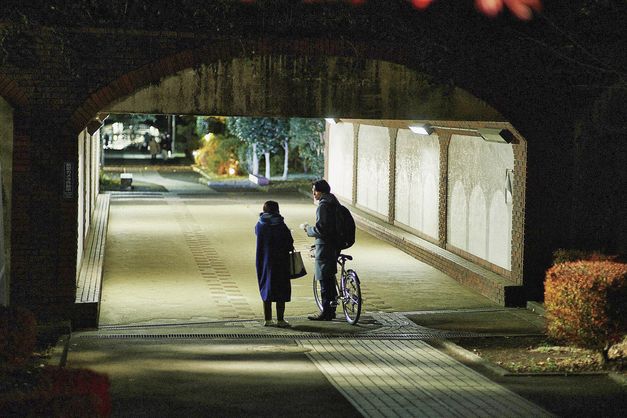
x=344 y=227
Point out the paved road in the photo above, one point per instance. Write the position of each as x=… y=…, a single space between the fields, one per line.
x=180 y=333
x=184 y=257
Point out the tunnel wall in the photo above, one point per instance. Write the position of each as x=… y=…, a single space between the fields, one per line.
x=373 y=169
x=89 y=149
x=479 y=220
x=340 y=155
x=450 y=188
x=417 y=177
x=6 y=174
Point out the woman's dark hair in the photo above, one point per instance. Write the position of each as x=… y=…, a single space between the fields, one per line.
x=271 y=207
x=321 y=186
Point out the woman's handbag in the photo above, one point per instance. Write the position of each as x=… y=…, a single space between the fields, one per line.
x=297 y=267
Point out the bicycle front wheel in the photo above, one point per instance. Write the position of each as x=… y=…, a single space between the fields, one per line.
x=351 y=297
x=317 y=293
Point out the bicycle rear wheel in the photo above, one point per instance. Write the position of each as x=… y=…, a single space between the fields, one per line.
x=351 y=296
x=317 y=294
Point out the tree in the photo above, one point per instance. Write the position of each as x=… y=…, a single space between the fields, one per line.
x=243 y=128
x=307 y=136
x=282 y=135
x=263 y=135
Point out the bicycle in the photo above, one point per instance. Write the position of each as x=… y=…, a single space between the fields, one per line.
x=348 y=290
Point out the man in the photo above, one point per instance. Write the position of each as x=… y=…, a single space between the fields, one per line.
x=326 y=248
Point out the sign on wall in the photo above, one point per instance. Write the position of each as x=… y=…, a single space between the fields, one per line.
x=68 y=180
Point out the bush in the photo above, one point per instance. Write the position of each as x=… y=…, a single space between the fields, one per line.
x=219 y=153
x=60 y=392
x=18 y=335
x=562 y=255
x=586 y=303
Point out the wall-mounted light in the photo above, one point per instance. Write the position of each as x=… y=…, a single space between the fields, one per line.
x=96 y=123
x=332 y=121
x=499 y=135
x=93 y=126
x=509 y=185
x=422 y=129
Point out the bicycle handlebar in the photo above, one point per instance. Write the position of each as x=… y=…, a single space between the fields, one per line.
x=340 y=257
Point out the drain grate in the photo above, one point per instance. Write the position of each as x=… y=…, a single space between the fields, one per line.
x=242 y=336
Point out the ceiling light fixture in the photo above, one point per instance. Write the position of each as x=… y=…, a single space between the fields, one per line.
x=498 y=135
x=422 y=129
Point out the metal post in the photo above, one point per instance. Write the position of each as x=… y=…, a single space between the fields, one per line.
x=173 y=134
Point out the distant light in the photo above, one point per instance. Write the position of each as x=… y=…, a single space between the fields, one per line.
x=422 y=129
x=231 y=171
x=195 y=153
x=332 y=121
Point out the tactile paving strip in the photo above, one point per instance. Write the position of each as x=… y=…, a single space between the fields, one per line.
x=224 y=294
x=374 y=298
x=395 y=378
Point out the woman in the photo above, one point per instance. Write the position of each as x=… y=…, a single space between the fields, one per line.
x=274 y=242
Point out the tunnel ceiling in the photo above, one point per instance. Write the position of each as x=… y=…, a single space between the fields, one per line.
x=307 y=87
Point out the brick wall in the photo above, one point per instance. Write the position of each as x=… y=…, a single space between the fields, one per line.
x=58 y=78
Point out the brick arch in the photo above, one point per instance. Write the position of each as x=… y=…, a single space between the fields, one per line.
x=154 y=72
x=11 y=92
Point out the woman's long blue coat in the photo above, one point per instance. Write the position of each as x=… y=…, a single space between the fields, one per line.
x=274 y=242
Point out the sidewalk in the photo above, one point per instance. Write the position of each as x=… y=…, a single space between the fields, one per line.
x=384 y=368
x=180 y=333
x=190 y=257
x=387 y=366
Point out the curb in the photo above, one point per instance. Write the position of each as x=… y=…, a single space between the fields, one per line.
x=57 y=334
x=536 y=307
x=479 y=361
x=469 y=356
x=58 y=356
x=145 y=168
x=621 y=379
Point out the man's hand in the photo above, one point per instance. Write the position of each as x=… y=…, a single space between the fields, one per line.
x=303 y=227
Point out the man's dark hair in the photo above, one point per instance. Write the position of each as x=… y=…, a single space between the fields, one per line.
x=321 y=186
x=271 y=207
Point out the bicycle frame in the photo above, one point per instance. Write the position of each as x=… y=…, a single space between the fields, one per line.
x=348 y=290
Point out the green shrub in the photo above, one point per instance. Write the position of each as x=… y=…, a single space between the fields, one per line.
x=18 y=335
x=586 y=303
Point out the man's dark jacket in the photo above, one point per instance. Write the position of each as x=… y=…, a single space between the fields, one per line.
x=325 y=234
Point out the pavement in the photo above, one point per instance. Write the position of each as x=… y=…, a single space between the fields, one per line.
x=180 y=330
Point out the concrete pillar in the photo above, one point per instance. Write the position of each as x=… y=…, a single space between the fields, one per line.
x=445 y=140
x=518 y=209
x=355 y=161
x=393 y=132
